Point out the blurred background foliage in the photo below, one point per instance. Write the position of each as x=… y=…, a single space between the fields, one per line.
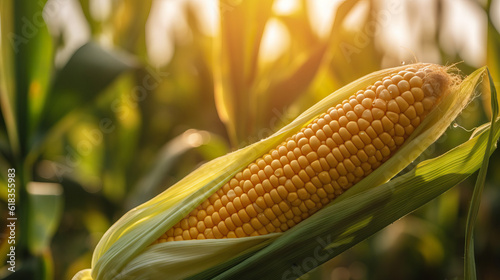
x=107 y=103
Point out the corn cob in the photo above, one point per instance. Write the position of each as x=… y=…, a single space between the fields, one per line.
x=328 y=156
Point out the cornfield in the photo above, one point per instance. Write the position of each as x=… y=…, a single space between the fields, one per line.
x=249 y=139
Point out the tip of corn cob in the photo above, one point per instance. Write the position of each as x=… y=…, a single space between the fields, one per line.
x=438 y=81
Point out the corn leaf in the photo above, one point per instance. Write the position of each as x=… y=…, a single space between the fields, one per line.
x=128 y=25
x=235 y=63
x=351 y=48
x=26 y=61
x=287 y=78
x=125 y=251
x=470 y=264
x=71 y=88
x=492 y=55
x=33 y=52
x=7 y=76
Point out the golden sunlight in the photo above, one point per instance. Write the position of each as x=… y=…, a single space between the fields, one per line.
x=275 y=41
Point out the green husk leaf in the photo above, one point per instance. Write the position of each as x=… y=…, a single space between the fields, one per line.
x=83 y=275
x=362 y=211
x=470 y=264
x=185 y=258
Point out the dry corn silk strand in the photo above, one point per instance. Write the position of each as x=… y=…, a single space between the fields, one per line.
x=308 y=170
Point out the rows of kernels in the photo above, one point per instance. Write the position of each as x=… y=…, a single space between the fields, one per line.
x=311 y=168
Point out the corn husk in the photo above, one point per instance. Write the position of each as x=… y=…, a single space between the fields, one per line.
x=124 y=252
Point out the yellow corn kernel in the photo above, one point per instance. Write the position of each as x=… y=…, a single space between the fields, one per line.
x=318 y=163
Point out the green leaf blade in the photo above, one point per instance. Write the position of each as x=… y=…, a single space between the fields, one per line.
x=470 y=263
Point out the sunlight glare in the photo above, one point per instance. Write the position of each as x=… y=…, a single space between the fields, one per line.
x=403 y=41
x=355 y=19
x=275 y=41
x=195 y=138
x=464 y=31
x=286 y=7
x=66 y=19
x=42 y=188
x=164 y=23
x=100 y=10
x=208 y=13
x=322 y=14
x=394 y=34
x=495 y=14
